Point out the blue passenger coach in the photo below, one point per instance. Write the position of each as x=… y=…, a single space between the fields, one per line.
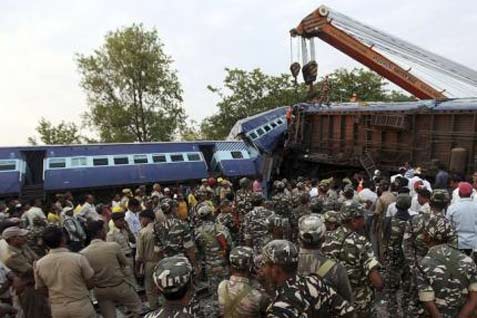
x=77 y=167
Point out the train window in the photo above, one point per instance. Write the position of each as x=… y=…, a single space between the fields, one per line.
x=159 y=158
x=260 y=131
x=253 y=136
x=177 y=158
x=193 y=157
x=273 y=125
x=9 y=165
x=79 y=161
x=100 y=161
x=121 y=160
x=139 y=159
x=279 y=121
x=267 y=128
x=57 y=163
x=236 y=154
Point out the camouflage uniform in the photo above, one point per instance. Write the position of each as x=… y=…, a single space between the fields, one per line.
x=415 y=248
x=211 y=252
x=312 y=261
x=446 y=275
x=258 y=226
x=355 y=252
x=172 y=236
x=397 y=273
x=237 y=296
x=172 y=274
x=35 y=240
x=299 y=296
x=282 y=206
x=243 y=198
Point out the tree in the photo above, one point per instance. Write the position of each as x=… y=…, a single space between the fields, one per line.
x=63 y=133
x=248 y=93
x=133 y=94
x=190 y=132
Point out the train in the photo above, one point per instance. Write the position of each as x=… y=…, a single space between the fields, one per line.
x=36 y=171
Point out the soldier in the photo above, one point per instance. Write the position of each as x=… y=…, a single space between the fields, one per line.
x=173 y=237
x=414 y=246
x=303 y=208
x=297 y=194
x=121 y=235
x=282 y=206
x=354 y=251
x=147 y=256
x=237 y=296
x=108 y=263
x=295 y=295
x=35 y=240
x=397 y=268
x=325 y=192
x=385 y=199
x=258 y=224
x=316 y=205
x=311 y=260
x=447 y=279
x=226 y=218
x=173 y=278
x=332 y=220
x=243 y=198
x=213 y=243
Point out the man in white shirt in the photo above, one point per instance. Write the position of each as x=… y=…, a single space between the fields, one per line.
x=88 y=209
x=314 y=189
x=463 y=216
x=33 y=212
x=132 y=216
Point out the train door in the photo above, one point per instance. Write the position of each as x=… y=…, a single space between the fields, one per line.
x=34 y=166
x=208 y=153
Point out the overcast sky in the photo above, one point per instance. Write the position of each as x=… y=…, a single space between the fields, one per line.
x=38 y=40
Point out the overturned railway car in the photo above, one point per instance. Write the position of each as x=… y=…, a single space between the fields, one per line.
x=385 y=135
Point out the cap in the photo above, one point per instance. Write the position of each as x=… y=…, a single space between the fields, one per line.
x=204 y=211
x=279 y=185
x=331 y=216
x=465 y=189
x=403 y=201
x=13 y=231
x=167 y=190
x=300 y=185
x=311 y=229
x=147 y=214
x=440 y=196
x=203 y=180
x=219 y=180
x=280 y=252
x=117 y=216
x=241 y=258
x=351 y=210
x=348 y=188
x=326 y=182
x=439 y=229
x=126 y=191
x=172 y=273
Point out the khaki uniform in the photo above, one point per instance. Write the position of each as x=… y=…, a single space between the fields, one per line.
x=122 y=238
x=65 y=275
x=145 y=253
x=382 y=205
x=112 y=287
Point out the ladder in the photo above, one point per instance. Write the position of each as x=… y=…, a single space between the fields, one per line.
x=368 y=163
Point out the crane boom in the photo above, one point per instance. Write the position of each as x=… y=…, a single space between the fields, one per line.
x=317 y=24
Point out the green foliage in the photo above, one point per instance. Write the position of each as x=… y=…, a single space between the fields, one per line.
x=246 y=93
x=190 y=132
x=133 y=94
x=63 y=133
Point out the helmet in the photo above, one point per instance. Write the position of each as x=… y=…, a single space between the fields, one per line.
x=241 y=258
x=300 y=185
x=280 y=252
x=351 y=210
x=440 y=196
x=279 y=185
x=348 y=188
x=244 y=182
x=256 y=198
x=204 y=211
x=311 y=229
x=439 y=229
x=331 y=216
x=166 y=205
x=172 y=273
x=403 y=201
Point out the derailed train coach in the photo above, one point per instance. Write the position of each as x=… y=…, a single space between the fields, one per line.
x=320 y=139
x=36 y=171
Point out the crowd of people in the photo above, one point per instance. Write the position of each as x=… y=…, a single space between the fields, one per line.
x=309 y=248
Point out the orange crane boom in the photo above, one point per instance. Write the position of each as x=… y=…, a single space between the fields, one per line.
x=317 y=24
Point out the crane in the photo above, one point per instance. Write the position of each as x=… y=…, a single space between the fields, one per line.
x=360 y=41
